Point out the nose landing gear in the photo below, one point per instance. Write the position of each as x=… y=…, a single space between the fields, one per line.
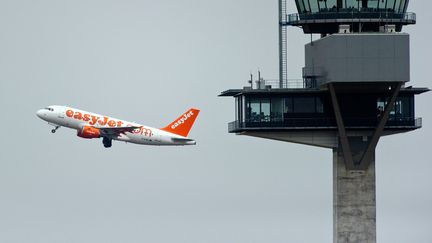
x=107 y=142
x=55 y=129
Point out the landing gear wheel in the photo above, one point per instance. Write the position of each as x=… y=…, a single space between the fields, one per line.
x=55 y=129
x=107 y=142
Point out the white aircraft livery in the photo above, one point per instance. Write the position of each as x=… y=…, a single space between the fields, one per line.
x=90 y=125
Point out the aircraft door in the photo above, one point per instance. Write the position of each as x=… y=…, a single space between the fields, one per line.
x=61 y=118
x=60 y=114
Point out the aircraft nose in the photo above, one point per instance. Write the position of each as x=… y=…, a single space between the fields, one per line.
x=40 y=113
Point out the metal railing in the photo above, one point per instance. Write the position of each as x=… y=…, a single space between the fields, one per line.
x=330 y=16
x=323 y=122
x=287 y=84
x=313 y=72
x=235 y=125
x=419 y=122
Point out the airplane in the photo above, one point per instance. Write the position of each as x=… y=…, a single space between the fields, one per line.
x=90 y=125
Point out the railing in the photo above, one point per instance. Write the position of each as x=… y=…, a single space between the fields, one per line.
x=288 y=84
x=235 y=125
x=419 y=122
x=312 y=76
x=411 y=17
x=322 y=122
x=287 y=123
x=312 y=71
x=330 y=16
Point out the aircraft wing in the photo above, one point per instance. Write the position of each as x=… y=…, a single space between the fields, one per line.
x=116 y=131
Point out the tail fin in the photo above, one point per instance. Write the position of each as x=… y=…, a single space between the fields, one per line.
x=183 y=124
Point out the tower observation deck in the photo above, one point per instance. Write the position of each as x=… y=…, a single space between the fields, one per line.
x=325 y=16
x=354 y=90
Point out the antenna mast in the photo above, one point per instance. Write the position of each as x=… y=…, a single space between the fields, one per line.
x=283 y=66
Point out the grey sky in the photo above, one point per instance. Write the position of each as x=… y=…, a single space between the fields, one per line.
x=148 y=61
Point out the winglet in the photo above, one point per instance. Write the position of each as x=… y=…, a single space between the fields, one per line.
x=183 y=124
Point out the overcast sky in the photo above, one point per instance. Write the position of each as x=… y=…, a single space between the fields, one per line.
x=149 y=61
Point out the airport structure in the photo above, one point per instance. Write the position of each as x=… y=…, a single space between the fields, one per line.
x=354 y=90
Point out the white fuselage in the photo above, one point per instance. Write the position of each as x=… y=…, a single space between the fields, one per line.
x=76 y=119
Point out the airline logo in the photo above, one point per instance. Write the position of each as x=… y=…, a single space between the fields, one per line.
x=103 y=121
x=182 y=119
x=93 y=120
x=143 y=131
x=182 y=125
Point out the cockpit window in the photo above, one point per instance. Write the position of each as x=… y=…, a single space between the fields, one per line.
x=49 y=109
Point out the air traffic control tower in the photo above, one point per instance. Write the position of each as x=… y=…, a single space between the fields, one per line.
x=355 y=89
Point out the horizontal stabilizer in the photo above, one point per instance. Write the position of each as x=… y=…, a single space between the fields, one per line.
x=184 y=141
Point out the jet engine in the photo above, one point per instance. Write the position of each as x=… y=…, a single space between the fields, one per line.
x=88 y=132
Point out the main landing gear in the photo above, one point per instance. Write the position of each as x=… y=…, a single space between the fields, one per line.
x=55 y=129
x=107 y=142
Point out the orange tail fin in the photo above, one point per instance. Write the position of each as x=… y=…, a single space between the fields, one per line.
x=183 y=124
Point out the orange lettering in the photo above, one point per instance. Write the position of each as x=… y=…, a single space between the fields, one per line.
x=147 y=132
x=119 y=123
x=111 y=123
x=78 y=115
x=104 y=122
x=69 y=113
x=86 y=117
x=137 y=130
x=94 y=120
